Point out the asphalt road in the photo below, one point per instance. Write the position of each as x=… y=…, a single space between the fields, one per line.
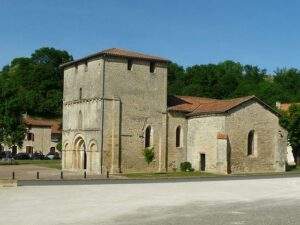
x=223 y=202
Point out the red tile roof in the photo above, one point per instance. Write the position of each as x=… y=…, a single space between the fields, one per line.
x=118 y=52
x=42 y=122
x=192 y=106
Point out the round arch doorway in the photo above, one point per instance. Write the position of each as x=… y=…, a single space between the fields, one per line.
x=80 y=157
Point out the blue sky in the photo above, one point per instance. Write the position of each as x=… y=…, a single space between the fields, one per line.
x=259 y=32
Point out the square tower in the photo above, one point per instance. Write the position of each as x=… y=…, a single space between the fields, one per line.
x=114 y=105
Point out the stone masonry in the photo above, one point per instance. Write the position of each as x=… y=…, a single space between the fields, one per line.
x=115 y=105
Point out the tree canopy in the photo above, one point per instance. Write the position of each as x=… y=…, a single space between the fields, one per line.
x=31 y=85
x=230 y=79
x=290 y=120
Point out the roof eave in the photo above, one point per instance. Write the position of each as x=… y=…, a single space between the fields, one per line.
x=100 y=54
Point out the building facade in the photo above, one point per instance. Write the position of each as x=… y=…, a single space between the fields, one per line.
x=42 y=136
x=115 y=105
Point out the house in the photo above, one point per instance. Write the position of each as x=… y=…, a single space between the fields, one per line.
x=42 y=135
x=115 y=105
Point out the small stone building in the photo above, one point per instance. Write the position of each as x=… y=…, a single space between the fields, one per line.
x=115 y=105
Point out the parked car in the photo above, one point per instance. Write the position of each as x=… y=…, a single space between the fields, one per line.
x=38 y=155
x=22 y=155
x=53 y=155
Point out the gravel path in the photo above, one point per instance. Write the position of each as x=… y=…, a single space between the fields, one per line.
x=261 y=201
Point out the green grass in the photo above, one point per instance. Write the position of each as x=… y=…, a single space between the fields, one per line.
x=169 y=175
x=55 y=163
x=294 y=170
x=6 y=163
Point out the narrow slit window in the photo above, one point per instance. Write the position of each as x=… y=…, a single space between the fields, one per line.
x=251 y=143
x=80 y=93
x=178 y=136
x=80 y=120
x=152 y=67
x=148 y=134
x=85 y=66
x=129 y=64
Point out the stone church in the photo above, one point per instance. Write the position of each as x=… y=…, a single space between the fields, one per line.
x=115 y=105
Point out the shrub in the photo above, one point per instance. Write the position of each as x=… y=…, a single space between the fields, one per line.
x=186 y=167
x=149 y=155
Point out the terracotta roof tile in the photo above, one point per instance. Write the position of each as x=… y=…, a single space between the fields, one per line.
x=118 y=52
x=42 y=122
x=197 y=105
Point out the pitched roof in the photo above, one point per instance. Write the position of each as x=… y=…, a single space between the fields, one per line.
x=193 y=106
x=55 y=125
x=118 y=52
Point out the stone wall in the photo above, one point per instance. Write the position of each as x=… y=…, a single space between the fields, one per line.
x=202 y=139
x=143 y=102
x=128 y=102
x=176 y=155
x=86 y=77
x=271 y=139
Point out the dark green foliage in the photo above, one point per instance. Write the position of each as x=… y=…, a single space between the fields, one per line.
x=186 y=167
x=59 y=146
x=230 y=79
x=291 y=121
x=149 y=155
x=33 y=85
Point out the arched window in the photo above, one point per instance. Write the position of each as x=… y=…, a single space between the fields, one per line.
x=178 y=136
x=148 y=137
x=251 y=143
x=80 y=120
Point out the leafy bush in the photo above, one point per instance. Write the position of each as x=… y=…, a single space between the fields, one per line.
x=59 y=146
x=149 y=155
x=186 y=167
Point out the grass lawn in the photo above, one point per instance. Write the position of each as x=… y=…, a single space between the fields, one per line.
x=294 y=170
x=55 y=163
x=169 y=174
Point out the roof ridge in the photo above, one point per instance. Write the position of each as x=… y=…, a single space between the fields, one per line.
x=122 y=53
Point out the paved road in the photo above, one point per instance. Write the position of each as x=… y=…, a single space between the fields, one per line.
x=255 y=201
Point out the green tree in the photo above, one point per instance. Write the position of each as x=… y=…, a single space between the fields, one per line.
x=149 y=155
x=291 y=122
x=33 y=85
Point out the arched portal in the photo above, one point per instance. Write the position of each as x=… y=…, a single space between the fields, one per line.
x=79 y=156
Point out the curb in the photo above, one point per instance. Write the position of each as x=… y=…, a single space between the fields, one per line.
x=151 y=180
